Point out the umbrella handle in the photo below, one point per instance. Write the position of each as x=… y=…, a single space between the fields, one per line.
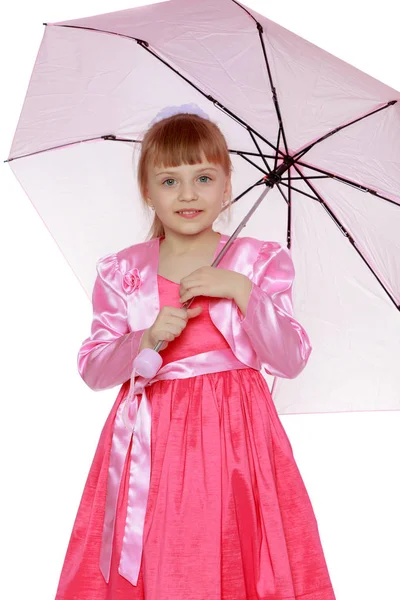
x=147 y=363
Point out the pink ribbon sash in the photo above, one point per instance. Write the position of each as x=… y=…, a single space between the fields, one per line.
x=131 y=420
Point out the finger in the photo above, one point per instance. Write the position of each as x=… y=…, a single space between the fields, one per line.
x=196 y=311
x=194 y=291
x=189 y=282
x=177 y=312
x=176 y=322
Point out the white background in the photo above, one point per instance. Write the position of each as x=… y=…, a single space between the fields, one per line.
x=51 y=421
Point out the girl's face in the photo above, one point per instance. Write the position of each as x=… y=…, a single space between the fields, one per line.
x=202 y=186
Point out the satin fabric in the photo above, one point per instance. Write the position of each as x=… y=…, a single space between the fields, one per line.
x=268 y=336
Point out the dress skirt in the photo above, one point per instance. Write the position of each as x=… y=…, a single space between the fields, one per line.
x=228 y=515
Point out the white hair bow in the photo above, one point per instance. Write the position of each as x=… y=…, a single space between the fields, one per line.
x=168 y=111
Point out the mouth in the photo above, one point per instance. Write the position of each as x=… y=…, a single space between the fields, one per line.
x=188 y=213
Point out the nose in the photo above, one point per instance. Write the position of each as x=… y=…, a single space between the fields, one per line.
x=187 y=191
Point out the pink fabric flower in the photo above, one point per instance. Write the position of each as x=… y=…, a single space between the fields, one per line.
x=131 y=281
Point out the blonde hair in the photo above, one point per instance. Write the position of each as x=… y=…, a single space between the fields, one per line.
x=180 y=139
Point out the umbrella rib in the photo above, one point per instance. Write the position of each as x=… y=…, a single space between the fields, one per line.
x=259 y=150
x=55 y=148
x=251 y=153
x=349 y=182
x=299 y=191
x=273 y=89
x=277 y=145
x=289 y=216
x=114 y=138
x=252 y=163
x=301 y=153
x=259 y=182
x=346 y=233
x=309 y=177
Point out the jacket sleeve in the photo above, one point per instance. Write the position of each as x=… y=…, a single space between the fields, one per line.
x=105 y=358
x=279 y=341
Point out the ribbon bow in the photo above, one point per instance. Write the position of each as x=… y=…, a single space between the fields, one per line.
x=139 y=426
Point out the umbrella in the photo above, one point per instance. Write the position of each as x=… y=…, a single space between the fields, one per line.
x=324 y=134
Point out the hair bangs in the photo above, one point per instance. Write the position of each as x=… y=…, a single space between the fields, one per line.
x=187 y=141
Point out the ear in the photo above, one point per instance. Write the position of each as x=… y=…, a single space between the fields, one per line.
x=148 y=199
x=228 y=189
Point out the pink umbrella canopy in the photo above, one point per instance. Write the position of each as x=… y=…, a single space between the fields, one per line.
x=98 y=82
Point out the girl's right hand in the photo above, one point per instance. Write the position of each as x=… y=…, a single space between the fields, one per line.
x=169 y=324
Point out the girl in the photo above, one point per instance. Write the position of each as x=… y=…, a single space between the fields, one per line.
x=213 y=507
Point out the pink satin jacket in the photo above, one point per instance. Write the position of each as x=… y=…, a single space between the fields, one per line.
x=125 y=303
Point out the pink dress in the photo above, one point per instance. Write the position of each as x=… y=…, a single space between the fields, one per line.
x=228 y=516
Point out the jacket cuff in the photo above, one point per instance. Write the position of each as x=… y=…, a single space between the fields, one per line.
x=280 y=342
x=110 y=364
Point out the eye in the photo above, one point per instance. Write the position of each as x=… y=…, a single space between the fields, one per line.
x=172 y=179
x=165 y=181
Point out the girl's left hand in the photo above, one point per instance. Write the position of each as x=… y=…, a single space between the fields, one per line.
x=210 y=281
